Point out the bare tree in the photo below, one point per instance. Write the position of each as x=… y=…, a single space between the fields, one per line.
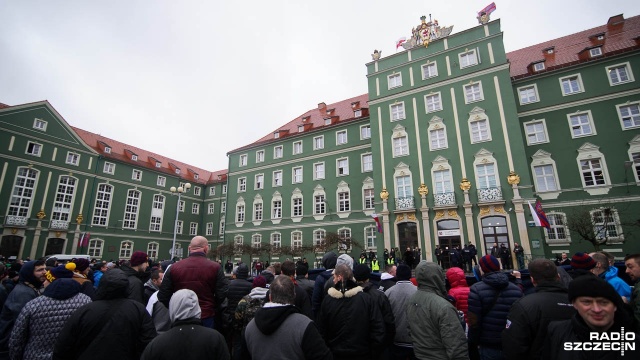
x=596 y=227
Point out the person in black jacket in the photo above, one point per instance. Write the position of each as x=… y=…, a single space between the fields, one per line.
x=137 y=276
x=530 y=316
x=302 y=300
x=238 y=288
x=112 y=326
x=187 y=339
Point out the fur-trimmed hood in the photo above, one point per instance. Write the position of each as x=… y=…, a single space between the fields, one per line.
x=350 y=289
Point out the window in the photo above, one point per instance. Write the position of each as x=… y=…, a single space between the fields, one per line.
x=196 y=191
x=344 y=201
x=357 y=113
x=597 y=51
x=343 y=166
x=365 y=132
x=240 y=213
x=635 y=158
x=479 y=131
x=297 y=207
x=318 y=171
x=592 y=172
x=209 y=229
x=195 y=208
x=178 y=171
x=296 y=240
x=276 y=209
x=238 y=240
x=345 y=238
x=152 y=250
x=318 y=237
x=257 y=211
x=558 y=231
x=64 y=199
x=486 y=176
x=571 y=84
x=259 y=181
x=370 y=236
x=277 y=152
x=606 y=224
x=327 y=121
x=193 y=228
x=131 y=210
x=319 y=204
x=367 y=162
x=341 y=137
x=400 y=146
x=629 y=115
x=528 y=94
x=397 y=111
x=156 y=213
x=473 y=92
x=109 y=168
x=221 y=227
x=429 y=70
x=224 y=188
x=162 y=181
x=277 y=178
x=394 y=80
x=103 y=202
x=442 y=182
x=297 y=175
x=34 y=148
x=369 y=199
x=242 y=184
x=158 y=164
x=276 y=240
x=468 y=58
x=259 y=156
x=107 y=150
x=73 y=158
x=39 y=124
x=212 y=191
x=581 y=125
x=211 y=208
x=538 y=66
x=223 y=206
x=318 y=142
x=297 y=147
x=126 y=248
x=403 y=186
x=256 y=241
x=438 y=139
x=181 y=206
x=95 y=248
x=134 y=157
x=136 y=175
x=433 y=102
x=243 y=160
x=536 y=132
x=179 y=227
x=619 y=74
x=545 y=178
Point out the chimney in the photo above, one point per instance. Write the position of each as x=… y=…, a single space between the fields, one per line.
x=322 y=107
x=615 y=20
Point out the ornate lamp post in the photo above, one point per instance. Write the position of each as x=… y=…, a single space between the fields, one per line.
x=179 y=191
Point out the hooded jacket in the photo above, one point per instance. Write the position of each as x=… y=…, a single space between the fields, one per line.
x=26 y=290
x=329 y=263
x=351 y=323
x=280 y=332
x=112 y=324
x=621 y=287
x=187 y=339
x=487 y=315
x=399 y=296
x=248 y=306
x=136 y=285
x=459 y=289
x=434 y=324
x=36 y=329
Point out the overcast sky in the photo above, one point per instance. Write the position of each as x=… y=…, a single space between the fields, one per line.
x=192 y=80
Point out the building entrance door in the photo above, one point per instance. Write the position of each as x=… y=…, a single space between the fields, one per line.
x=408 y=237
x=54 y=246
x=448 y=232
x=10 y=245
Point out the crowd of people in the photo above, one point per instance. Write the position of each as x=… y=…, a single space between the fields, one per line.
x=192 y=309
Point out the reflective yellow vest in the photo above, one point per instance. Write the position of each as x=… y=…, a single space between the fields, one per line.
x=374 y=265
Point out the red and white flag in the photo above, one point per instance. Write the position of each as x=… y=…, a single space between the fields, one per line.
x=400 y=41
x=539 y=217
x=377 y=220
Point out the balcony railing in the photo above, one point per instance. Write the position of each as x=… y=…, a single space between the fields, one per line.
x=405 y=203
x=59 y=225
x=490 y=194
x=14 y=220
x=444 y=199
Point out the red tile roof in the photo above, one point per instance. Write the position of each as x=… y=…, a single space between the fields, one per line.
x=314 y=118
x=620 y=35
x=122 y=152
x=2 y=106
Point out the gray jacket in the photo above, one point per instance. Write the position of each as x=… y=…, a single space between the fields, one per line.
x=399 y=296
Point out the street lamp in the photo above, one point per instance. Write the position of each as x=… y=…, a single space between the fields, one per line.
x=179 y=191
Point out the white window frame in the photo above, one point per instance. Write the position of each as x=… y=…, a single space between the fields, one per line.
x=543 y=132
x=276 y=240
x=131 y=210
x=539 y=66
x=319 y=171
x=474 y=98
x=276 y=208
x=297 y=206
x=341 y=137
x=195 y=208
x=295 y=179
x=95 y=248
x=181 y=206
x=109 y=168
x=578 y=79
x=319 y=203
x=36 y=149
x=242 y=184
x=73 y=158
x=39 y=124
x=635 y=123
x=370 y=236
x=367 y=162
x=634 y=149
x=365 y=132
x=221 y=227
x=296 y=239
x=588 y=152
x=484 y=158
x=344 y=200
x=258 y=210
x=297 y=147
x=277 y=178
x=589 y=123
x=278 y=152
x=436 y=124
x=481 y=138
x=224 y=188
x=543 y=158
x=368 y=199
x=157 y=213
x=126 y=251
x=615 y=224
x=259 y=156
x=429 y=65
x=211 y=208
x=212 y=190
x=161 y=181
x=342 y=166
x=196 y=190
x=136 y=175
x=595 y=52
x=532 y=88
x=437 y=105
x=209 y=230
x=101 y=210
x=63 y=201
x=319 y=236
x=394 y=80
x=397 y=111
x=555 y=225
x=628 y=70
x=256 y=241
x=259 y=182
x=243 y=160
x=318 y=142
x=464 y=57
x=240 y=212
x=193 y=228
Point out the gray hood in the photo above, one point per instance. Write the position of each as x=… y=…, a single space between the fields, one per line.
x=184 y=305
x=430 y=277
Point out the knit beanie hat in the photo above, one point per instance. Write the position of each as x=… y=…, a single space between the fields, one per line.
x=81 y=264
x=593 y=286
x=582 y=261
x=403 y=272
x=361 y=272
x=61 y=271
x=259 y=281
x=242 y=272
x=489 y=263
x=138 y=258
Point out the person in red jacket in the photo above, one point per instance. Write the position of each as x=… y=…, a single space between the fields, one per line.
x=459 y=289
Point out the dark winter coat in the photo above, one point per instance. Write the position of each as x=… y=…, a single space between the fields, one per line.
x=178 y=343
x=351 y=323
x=136 y=285
x=328 y=262
x=238 y=289
x=487 y=314
x=302 y=301
x=112 y=326
x=306 y=284
x=381 y=300
x=529 y=318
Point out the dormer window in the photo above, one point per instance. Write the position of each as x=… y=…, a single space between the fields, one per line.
x=196 y=176
x=178 y=171
x=158 y=164
x=300 y=128
x=107 y=150
x=40 y=124
x=327 y=121
x=276 y=135
x=357 y=113
x=538 y=66
x=549 y=50
x=600 y=37
x=134 y=157
x=596 y=51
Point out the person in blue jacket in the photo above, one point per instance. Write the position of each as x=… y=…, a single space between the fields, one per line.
x=610 y=274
